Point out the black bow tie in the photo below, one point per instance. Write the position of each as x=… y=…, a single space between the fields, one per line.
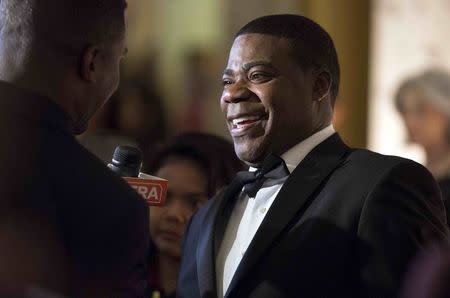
x=273 y=167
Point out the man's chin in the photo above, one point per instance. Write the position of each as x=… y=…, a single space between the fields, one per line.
x=251 y=154
x=82 y=124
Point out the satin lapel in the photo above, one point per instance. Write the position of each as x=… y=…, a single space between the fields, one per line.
x=292 y=199
x=209 y=239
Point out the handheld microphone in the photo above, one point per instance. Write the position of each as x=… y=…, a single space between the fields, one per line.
x=126 y=161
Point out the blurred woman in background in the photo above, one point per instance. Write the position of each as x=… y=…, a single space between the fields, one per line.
x=424 y=103
x=197 y=167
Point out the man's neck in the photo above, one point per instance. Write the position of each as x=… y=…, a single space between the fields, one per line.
x=41 y=85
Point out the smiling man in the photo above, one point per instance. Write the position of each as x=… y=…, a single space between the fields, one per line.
x=267 y=97
x=312 y=217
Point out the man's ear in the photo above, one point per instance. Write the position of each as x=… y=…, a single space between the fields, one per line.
x=322 y=85
x=89 y=64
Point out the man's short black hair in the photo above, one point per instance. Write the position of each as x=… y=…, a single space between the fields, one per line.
x=71 y=22
x=312 y=46
x=96 y=20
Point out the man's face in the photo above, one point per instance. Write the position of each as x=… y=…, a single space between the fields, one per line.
x=106 y=67
x=266 y=98
x=108 y=77
x=112 y=56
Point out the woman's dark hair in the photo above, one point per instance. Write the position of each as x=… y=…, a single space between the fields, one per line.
x=213 y=154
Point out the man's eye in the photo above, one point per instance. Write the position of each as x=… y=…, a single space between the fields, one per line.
x=226 y=82
x=258 y=76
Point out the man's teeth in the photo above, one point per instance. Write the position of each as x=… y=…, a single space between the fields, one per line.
x=238 y=121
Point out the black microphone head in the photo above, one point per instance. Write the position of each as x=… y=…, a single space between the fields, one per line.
x=126 y=161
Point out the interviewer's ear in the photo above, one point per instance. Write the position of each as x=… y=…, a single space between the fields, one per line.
x=89 y=64
x=322 y=85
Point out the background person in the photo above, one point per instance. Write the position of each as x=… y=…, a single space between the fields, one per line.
x=198 y=166
x=68 y=224
x=424 y=104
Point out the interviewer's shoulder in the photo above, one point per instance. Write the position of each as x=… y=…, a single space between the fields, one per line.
x=74 y=169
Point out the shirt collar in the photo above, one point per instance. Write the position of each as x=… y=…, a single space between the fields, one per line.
x=296 y=154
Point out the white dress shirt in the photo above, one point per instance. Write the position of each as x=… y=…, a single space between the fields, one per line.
x=248 y=213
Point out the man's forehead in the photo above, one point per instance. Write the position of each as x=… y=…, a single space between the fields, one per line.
x=260 y=38
x=251 y=47
x=257 y=43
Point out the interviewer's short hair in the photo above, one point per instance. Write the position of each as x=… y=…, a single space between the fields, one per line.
x=77 y=22
x=312 y=46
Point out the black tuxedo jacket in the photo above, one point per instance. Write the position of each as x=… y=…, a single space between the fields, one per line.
x=345 y=224
x=78 y=228
x=444 y=184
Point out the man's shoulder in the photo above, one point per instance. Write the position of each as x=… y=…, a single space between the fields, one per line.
x=373 y=161
x=378 y=172
x=357 y=160
x=368 y=168
x=82 y=173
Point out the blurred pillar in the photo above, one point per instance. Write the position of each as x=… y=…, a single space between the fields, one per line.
x=347 y=21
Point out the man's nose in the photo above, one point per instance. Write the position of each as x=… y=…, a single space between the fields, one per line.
x=236 y=92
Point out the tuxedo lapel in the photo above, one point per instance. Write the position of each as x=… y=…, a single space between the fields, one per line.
x=211 y=233
x=293 y=198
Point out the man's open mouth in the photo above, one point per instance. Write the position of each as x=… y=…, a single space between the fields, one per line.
x=241 y=124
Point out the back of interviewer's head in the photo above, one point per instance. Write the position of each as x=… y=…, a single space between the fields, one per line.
x=60 y=26
x=57 y=47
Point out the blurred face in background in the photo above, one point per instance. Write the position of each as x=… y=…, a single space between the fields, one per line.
x=426 y=125
x=186 y=193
